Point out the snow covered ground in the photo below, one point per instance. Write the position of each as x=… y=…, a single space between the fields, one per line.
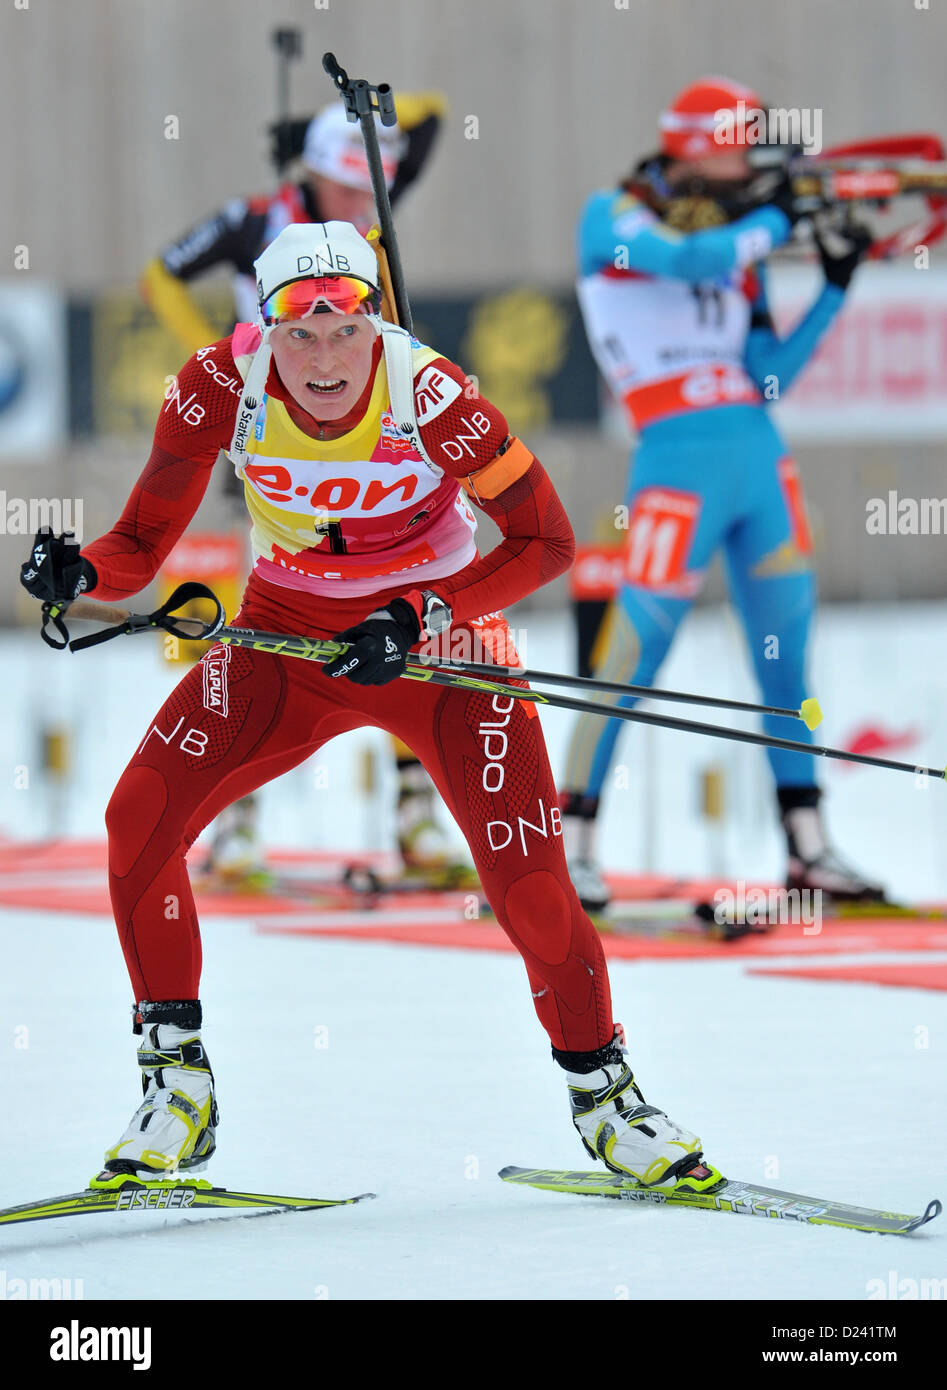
x=417 y=1073
x=435 y=1075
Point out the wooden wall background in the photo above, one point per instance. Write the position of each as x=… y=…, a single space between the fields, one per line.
x=565 y=93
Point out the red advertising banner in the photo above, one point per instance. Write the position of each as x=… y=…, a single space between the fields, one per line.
x=597 y=572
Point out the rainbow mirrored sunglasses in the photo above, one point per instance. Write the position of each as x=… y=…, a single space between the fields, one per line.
x=343 y=294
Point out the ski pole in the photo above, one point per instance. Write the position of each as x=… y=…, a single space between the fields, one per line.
x=809 y=711
x=362 y=100
x=323 y=649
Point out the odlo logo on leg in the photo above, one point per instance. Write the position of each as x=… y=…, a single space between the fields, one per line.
x=495 y=744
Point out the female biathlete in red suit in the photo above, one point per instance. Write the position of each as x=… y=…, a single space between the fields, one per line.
x=362 y=531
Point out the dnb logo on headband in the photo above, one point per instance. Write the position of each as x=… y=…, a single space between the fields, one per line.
x=323 y=263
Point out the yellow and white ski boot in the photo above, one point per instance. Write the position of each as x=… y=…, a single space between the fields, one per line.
x=631 y=1137
x=174 y=1128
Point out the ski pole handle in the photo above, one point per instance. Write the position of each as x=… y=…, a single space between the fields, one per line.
x=105 y=613
x=98 y=612
x=121 y=621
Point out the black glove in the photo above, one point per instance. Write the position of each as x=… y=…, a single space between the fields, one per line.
x=841 y=251
x=55 y=569
x=287 y=138
x=379 y=645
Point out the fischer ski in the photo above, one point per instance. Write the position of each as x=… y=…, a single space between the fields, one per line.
x=121 y=1193
x=739 y=1198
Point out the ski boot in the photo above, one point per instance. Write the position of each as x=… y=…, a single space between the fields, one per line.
x=175 y=1125
x=813 y=864
x=589 y=884
x=578 y=839
x=631 y=1137
x=235 y=858
x=426 y=856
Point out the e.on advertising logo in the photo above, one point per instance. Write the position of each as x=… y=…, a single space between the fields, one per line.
x=310 y=484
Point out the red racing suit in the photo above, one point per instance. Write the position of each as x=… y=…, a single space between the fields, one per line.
x=241 y=718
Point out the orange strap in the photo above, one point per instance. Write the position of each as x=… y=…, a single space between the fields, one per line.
x=497 y=475
x=388 y=311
